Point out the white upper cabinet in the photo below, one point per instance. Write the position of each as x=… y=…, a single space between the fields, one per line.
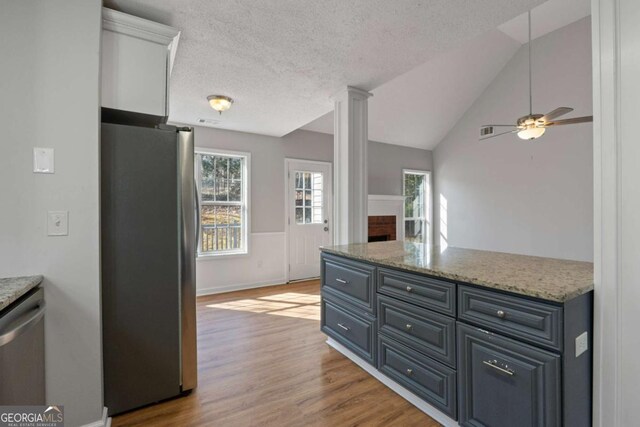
x=137 y=58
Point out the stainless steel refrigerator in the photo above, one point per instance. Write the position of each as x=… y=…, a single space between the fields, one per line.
x=148 y=223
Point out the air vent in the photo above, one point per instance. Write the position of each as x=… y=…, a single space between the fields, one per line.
x=485 y=131
x=210 y=122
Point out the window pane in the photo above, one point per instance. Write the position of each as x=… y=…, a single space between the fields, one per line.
x=299 y=216
x=207 y=181
x=307 y=215
x=235 y=215
x=235 y=190
x=307 y=198
x=415 y=192
x=414 y=231
x=299 y=197
x=235 y=168
x=317 y=215
x=299 y=180
x=307 y=180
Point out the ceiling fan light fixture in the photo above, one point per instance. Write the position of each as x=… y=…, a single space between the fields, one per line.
x=219 y=103
x=531 y=132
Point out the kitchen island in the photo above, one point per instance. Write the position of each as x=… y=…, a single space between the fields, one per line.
x=468 y=336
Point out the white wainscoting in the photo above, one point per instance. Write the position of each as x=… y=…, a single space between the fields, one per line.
x=383 y=204
x=263 y=266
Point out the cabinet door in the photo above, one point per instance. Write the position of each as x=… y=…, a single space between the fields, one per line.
x=504 y=383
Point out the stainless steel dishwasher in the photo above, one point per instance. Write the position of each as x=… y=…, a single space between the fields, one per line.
x=22 y=351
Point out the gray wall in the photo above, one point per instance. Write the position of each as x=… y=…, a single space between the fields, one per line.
x=386 y=163
x=50 y=98
x=516 y=196
x=267 y=163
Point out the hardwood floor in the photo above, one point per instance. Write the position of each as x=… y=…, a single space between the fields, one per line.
x=262 y=361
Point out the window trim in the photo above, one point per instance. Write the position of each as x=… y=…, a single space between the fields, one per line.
x=428 y=202
x=246 y=195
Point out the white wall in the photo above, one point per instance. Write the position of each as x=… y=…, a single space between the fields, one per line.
x=265 y=263
x=616 y=42
x=534 y=198
x=49 y=97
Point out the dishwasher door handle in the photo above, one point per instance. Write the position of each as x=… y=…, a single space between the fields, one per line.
x=22 y=324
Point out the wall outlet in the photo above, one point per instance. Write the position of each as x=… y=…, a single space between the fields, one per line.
x=582 y=343
x=58 y=223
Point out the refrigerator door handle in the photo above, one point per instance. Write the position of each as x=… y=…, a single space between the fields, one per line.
x=198 y=217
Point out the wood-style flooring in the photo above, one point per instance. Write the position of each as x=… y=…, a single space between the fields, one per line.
x=262 y=361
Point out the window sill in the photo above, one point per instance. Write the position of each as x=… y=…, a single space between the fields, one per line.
x=221 y=256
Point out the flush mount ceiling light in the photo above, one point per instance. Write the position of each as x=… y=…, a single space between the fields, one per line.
x=532 y=126
x=220 y=103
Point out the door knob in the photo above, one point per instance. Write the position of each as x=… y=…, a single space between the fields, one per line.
x=326 y=221
x=326 y=229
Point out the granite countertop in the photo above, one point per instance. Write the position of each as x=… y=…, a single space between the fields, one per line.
x=12 y=288
x=545 y=278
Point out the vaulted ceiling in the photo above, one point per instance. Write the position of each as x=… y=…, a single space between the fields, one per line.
x=281 y=60
x=420 y=107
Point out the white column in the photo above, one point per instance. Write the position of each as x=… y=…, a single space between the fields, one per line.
x=350 y=139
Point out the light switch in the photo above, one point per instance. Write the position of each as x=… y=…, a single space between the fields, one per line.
x=43 y=160
x=58 y=223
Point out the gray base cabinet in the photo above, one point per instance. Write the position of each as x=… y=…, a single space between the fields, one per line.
x=504 y=383
x=484 y=357
x=432 y=381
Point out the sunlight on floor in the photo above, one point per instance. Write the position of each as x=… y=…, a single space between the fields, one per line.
x=289 y=304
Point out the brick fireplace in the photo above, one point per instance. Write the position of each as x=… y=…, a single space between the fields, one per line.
x=382 y=228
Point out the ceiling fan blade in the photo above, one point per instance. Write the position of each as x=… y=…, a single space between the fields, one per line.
x=572 y=121
x=504 y=126
x=561 y=111
x=484 y=138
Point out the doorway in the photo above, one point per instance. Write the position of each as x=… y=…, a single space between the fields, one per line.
x=308 y=210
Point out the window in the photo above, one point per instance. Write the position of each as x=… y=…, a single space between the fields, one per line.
x=222 y=181
x=308 y=197
x=416 y=207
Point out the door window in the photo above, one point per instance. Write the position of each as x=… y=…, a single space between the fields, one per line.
x=309 y=197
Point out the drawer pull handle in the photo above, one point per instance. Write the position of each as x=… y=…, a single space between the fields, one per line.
x=501 y=314
x=343 y=327
x=409 y=289
x=494 y=365
x=344 y=282
x=409 y=371
x=409 y=326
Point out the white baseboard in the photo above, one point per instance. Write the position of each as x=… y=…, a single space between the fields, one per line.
x=432 y=411
x=239 y=287
x=105 y=421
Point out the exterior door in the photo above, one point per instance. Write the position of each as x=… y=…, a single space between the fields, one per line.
x=309 y=188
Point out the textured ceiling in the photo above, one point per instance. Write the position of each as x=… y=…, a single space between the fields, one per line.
x=420 y=107
x=281 y=60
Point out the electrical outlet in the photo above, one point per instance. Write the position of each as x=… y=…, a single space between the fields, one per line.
x=582 y=343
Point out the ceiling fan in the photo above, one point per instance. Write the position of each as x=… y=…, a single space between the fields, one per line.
x=532 y=126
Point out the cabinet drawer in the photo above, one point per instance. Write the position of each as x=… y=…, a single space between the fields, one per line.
x=418 y=328
x=530 y=321
x=428 y=379
x=355 y=332
x=506 y=383
x=350 y=280
x=424 y=291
